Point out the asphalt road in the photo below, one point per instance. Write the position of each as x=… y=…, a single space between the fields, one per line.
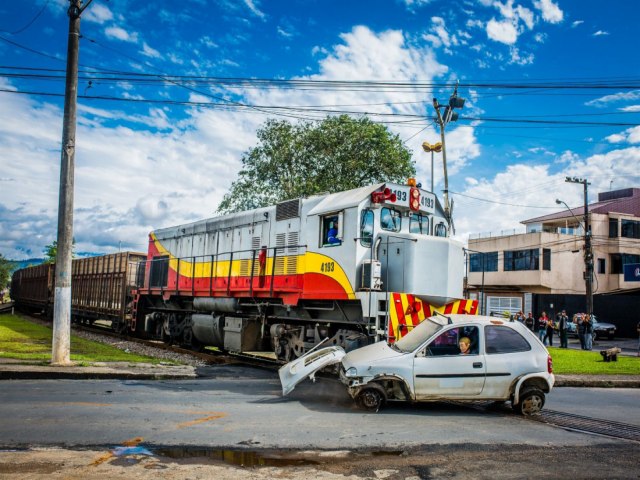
x=243 y=407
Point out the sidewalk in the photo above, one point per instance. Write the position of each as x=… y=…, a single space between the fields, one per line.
x=20 y=370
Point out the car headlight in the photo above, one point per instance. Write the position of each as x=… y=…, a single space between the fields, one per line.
x=351 y=372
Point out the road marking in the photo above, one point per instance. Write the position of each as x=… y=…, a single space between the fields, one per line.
x=209 y=416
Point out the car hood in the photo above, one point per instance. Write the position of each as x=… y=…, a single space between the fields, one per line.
x=604 y=325
x=294 y=372
x=369 y=355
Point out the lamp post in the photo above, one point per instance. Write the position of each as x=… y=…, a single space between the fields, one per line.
x=588 y=253
x=428 y=147
x=442 y=119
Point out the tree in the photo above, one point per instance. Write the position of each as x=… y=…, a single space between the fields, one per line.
x=335 y=154
x=51 y=251
x=5 y=272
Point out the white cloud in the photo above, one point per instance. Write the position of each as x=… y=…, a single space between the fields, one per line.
x=503 y=32
x=615 y=97
x=630 y=135
x=517 y=189
x=630 y=108
x=150 y=52
x=178 y=170
x=121 y=34
x=520 y=59
x=97 y=13
x=254 y=9
x=600 y=33
x=550 y=11
x=577 y=23
x=540 y=37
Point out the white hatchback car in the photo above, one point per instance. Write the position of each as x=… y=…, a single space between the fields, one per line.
x=504 y=361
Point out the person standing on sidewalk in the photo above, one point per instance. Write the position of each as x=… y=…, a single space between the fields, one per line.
x=541 y=326
x=530 y=322
x=562 y=329
x=580 y=327
x=588 y=332
x=548 y=333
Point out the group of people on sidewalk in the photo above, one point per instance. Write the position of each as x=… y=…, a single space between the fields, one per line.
x=544 y=327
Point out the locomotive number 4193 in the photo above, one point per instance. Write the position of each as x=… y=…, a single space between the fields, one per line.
x=327 y=266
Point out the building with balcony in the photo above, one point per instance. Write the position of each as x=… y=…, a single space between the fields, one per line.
x=543 y=267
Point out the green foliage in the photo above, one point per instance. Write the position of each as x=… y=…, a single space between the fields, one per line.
x=24 y=340
x=5 y=272
x=51 y=251
x=580 y=362
x=336 y=154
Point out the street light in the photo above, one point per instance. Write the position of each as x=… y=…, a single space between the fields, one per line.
x=442 y=119
x=588 y=254
x=560 y=202
x=428 y=147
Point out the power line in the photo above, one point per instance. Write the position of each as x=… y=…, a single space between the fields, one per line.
x=20 y=30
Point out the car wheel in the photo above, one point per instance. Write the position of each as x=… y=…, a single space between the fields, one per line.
x=531 y=402
x=370 y=398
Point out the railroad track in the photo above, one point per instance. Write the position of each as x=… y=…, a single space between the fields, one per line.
x=567 y=421
x=595 y=426
x=209 y=356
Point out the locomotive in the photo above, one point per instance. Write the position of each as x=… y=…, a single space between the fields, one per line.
x=346 y=269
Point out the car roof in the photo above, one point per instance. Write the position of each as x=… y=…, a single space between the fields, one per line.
x=462 y=318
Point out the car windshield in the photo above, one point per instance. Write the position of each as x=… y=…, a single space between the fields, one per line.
x=417 y=336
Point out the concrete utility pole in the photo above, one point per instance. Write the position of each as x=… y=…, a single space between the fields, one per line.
x=60 y=349
x=588 y=253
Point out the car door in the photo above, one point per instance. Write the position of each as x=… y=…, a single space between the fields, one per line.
x=441 y=371
x=508 y=356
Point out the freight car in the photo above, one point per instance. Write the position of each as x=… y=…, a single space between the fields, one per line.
x=101 y=288
x=344 y=269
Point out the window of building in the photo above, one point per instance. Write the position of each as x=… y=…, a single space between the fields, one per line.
x=618 y=260
x=630 y=229
x=390 y=220
x=483 y=262
x=419 y=223
x=331 y=230
x=546 y=259
x=500 y=339
x=613 y=228
x=516 y=260
x=366 y=228
x=602 y=265
x=159 y=273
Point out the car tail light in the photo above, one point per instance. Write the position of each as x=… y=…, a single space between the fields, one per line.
x=549 y=364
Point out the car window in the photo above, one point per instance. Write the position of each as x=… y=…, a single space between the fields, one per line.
x=390 y=220
x=454 y=341
x=501 y=339
x=417 y=336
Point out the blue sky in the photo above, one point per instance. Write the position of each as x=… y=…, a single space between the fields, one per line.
x=145 y=162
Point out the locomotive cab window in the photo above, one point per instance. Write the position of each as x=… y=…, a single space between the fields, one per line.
x=332 y=230
x=440 y=230
x=390 y=220
x=419 y=223
x=366 y=228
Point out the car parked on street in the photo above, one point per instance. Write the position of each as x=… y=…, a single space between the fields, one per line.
x=600 y=329
x=504 y=361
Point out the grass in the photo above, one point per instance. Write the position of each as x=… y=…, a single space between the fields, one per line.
x=24 y=340
x=580 y=362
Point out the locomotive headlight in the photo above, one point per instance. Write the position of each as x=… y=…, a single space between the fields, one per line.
x=414 y=198
x=351 y=372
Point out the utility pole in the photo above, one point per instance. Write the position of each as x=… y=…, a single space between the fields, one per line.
x=588 y=253
x=442 y=120
x=60 y=349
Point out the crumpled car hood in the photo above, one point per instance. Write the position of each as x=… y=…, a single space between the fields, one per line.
x=297 y=370
x=369 y=355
